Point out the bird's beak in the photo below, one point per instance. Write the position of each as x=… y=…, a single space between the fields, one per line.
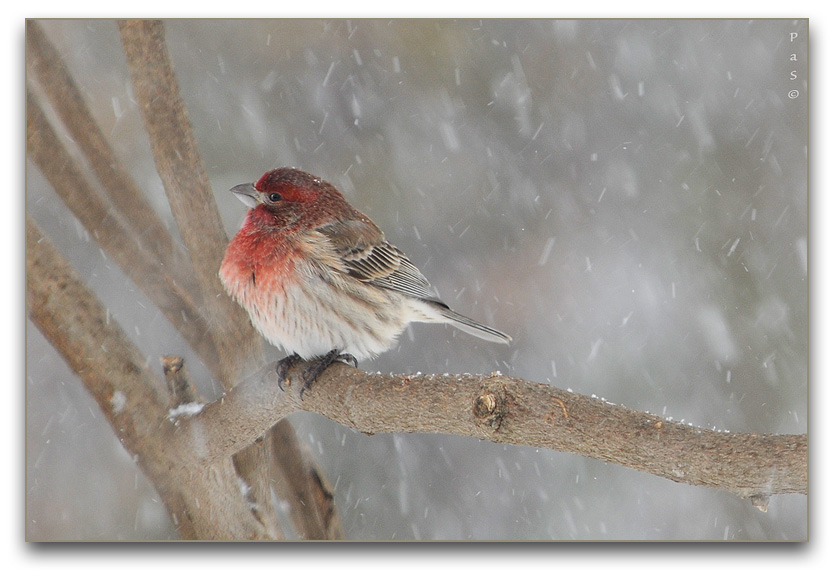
x=246 y=193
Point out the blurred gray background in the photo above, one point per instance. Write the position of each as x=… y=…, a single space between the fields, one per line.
x=626 y=198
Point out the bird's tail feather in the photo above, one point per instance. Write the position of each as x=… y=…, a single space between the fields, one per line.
x=472 y=327
x=437 y=311
x=475 y=328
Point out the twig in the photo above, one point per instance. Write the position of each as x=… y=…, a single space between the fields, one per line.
x=180 y=388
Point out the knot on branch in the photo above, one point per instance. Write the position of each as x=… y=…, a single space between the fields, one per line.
x=490 y=407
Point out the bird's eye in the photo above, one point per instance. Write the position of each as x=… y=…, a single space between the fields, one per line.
x=274 y=197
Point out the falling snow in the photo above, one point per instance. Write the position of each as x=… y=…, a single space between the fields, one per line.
x=627 y=199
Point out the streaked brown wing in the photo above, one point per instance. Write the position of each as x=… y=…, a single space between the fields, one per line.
x=369 y=257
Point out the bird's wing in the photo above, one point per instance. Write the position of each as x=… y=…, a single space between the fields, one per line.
x=369 y=257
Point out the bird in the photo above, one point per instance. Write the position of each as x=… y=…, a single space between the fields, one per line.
x=320 y=280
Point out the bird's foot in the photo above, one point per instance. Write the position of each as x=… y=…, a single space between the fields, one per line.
x=283 y=367
x=312 y=372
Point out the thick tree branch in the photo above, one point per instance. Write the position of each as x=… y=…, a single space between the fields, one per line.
x=94 y=346
x=193 y=206
x=510 y=410
x=187 y=186
x=205 y=501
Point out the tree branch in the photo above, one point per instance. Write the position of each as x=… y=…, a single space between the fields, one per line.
x=96 y=348
x=315 y=516
x=154 y=278
x=189 y=193
x=146 y=254
x=204 y=500
x=192 y=203
x=509 y=410
x=46 y=66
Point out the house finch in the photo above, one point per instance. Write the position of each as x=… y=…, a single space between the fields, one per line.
x=319 y=279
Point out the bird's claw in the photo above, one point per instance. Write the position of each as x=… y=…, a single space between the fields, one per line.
x=312 y=372
x=348 y=359
x=283 y=367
